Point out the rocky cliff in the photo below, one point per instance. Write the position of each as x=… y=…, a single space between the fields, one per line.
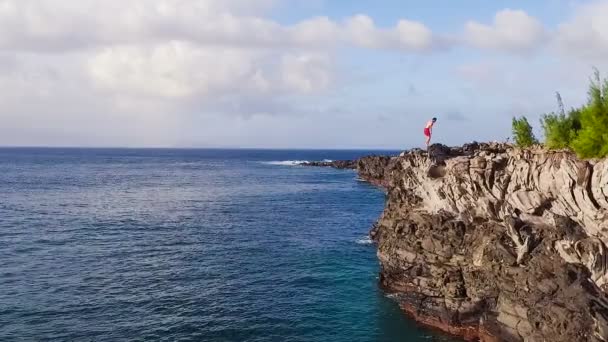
x=494 y=243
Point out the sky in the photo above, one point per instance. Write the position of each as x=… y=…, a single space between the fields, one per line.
x=289 y=73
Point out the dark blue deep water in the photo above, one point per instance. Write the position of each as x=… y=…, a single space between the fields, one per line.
x=189 y=245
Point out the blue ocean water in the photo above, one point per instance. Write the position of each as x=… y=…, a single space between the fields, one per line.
x=189 y=245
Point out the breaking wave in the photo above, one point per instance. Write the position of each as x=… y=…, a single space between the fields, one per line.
x=365 y=241
x=287 y=162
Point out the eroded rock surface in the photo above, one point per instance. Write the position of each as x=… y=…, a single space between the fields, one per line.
x=490 y=242
x=338 y=164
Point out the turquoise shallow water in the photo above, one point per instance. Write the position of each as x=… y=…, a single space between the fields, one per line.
x=189 y=245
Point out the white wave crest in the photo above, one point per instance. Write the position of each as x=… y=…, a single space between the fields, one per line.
x=392 y=295
x=327 y=161
x=287 y=162
x=365 y=241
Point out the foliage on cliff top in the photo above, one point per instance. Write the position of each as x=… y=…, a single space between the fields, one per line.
x=592 y=140
x=561 y=129
x=583 y=130
x=522 y=132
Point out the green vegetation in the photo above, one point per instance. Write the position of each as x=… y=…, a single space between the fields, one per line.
x=559 y=129
x=592 y=140
x=522 y=132
x=583 y=130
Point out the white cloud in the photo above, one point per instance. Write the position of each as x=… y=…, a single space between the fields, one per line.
x=362 y=31
x=174 y=70
x=97 y=72
x=306 y=73
x=49 y=102
x=414 y=35
x=60 y=25
x=39 y=25
x=182 y=71
x=586 y=34
x=114 y=63
x=316 y=31
x=406 y=35
x=512 y=30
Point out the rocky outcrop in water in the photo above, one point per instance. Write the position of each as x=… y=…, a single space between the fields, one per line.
x=490 y=242
x=338 y=164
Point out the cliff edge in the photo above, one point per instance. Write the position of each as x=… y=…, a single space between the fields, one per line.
x=493 y=243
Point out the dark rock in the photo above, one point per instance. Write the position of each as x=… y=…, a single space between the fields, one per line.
x=493 y=243
x=338 y=164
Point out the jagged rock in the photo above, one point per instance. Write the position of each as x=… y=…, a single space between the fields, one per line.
x=516 y=230
x=491 y=242
x=338 y=164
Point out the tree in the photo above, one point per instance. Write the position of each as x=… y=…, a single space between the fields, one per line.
x=522 y=132
x=592 y=140
x=560 y=130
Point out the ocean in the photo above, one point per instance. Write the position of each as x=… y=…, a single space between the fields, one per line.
x=190 y=245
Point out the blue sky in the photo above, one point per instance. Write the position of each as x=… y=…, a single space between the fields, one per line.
x=400 y=89
x=443 y=15
x=288 y=73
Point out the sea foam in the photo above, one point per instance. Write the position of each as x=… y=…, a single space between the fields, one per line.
x=287 y=162
x=365 y=241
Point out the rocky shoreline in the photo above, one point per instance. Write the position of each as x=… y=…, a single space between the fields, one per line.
x=493 y=243
x=338 y=164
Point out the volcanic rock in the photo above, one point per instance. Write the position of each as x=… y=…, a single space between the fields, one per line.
x=494 y=243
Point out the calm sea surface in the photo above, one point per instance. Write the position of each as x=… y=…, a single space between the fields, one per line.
x=189 y=245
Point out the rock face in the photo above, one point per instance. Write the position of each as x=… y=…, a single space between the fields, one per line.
x=493 y=243
x=338 y=164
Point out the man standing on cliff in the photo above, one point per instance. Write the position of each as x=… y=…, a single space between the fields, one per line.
x=428 y=131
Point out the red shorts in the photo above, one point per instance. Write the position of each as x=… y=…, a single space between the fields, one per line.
x=427 y=132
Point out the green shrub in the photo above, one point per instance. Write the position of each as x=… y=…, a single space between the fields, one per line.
x=522 y=132
x=592 y=139
x=559 y=129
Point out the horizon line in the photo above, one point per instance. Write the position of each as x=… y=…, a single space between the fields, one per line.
x=203 y=148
